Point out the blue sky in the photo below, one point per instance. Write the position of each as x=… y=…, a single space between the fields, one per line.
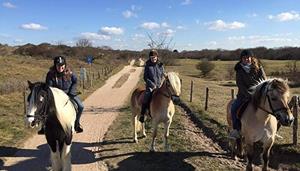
x=126 y=24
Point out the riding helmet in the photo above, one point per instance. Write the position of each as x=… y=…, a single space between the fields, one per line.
x=246 y=53
x=153 y=53
x=59 y=60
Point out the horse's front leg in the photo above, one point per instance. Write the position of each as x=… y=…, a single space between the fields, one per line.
x=166 y=135
x=144 y=130
x=266 y=153
x=152 y=149
x=134 y=125
x=66 y=157
x=249 y=151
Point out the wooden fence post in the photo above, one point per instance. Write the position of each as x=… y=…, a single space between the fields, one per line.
x=206 y=99
x=232 y=93
x=192 y=89
x=295 y=113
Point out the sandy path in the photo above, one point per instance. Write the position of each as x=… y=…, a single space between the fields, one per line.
x=101 y=108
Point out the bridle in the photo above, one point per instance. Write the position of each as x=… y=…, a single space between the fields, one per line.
x=273 y=111
x=40 y=115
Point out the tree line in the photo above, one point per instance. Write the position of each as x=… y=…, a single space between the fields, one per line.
x=282 y=53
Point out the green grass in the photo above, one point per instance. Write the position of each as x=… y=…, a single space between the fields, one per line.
x=219 y=95
x=19 y=69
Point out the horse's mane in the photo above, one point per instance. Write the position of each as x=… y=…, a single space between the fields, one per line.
x=263 y=86
x=175 y=82
x=50 y=109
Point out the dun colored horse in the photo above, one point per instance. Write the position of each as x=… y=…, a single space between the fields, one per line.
x=161 y=107
x=268 y=106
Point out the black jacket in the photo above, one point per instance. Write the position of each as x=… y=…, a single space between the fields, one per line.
x=153 y=74
x=66 y=82
x=246 y=80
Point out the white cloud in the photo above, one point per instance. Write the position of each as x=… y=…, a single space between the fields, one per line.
x=150 y=25
x=111 y=30
x=8 y=5
x=285 y=16
x=220 y=25
x=95 y=36
x=18 y=41
x=180 y=28
x=129 y=14
x=256 y=39
x=138 y=36
x=169 y=32
x=164 y=24
x=212 y=43
x=186 y=2
x=33 y=26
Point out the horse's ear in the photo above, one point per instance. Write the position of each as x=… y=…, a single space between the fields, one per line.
x=30 y=84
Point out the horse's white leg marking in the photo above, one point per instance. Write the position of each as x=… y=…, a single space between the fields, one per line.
x=66 y=157
x=166 y=135
x=143 y=130
x=153 y=135
x=55 y=161
x=134 y=124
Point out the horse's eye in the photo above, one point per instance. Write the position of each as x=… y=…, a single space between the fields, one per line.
x=273 y=98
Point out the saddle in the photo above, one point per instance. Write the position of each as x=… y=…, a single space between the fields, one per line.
x=74 y=104
x=241 y=109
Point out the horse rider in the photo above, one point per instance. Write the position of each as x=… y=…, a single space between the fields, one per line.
x=153 y=75
x=61 y=76
x=249 y=72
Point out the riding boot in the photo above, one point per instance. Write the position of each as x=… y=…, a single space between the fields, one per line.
x=143 y=111
x=78 y=127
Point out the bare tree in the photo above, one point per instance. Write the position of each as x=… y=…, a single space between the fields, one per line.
x=84 y=43
x=162 y=43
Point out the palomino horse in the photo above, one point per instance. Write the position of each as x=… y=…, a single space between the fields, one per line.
x=54 y=108
x=161 y=107
x=269 y=105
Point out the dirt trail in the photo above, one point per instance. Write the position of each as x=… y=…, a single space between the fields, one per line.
x=101 y=108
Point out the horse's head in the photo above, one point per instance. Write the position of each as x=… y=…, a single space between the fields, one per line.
x=37 y=103
x=276 y=95
x=173 y=83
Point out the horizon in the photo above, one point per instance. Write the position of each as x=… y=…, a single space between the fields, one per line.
x=188 y=24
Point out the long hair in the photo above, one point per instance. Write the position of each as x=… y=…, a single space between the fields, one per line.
x=255 y=64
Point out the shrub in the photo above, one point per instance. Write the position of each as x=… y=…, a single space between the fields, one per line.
x=205 y=67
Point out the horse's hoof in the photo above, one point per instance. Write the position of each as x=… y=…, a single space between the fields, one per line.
x=144 y=136
x=135 y=141
x=152 y=151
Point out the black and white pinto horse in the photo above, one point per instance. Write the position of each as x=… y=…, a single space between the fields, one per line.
x=53 y=108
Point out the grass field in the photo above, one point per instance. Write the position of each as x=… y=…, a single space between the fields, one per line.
x=15 y=71
x=219 y=95
x=118 y=152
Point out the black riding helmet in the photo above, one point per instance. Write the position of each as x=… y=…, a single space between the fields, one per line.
x=246 y=53
x=59 y=61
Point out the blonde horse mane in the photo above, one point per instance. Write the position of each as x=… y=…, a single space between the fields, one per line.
x=263 y=86
x=175 y=82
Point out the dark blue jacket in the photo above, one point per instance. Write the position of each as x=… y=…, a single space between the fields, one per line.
x=153 y=74
x=66 y=81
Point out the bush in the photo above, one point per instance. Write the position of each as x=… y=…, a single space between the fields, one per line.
x=205 y=67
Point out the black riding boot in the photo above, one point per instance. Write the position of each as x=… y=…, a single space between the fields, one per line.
x=143 y=111
x=78 y=127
